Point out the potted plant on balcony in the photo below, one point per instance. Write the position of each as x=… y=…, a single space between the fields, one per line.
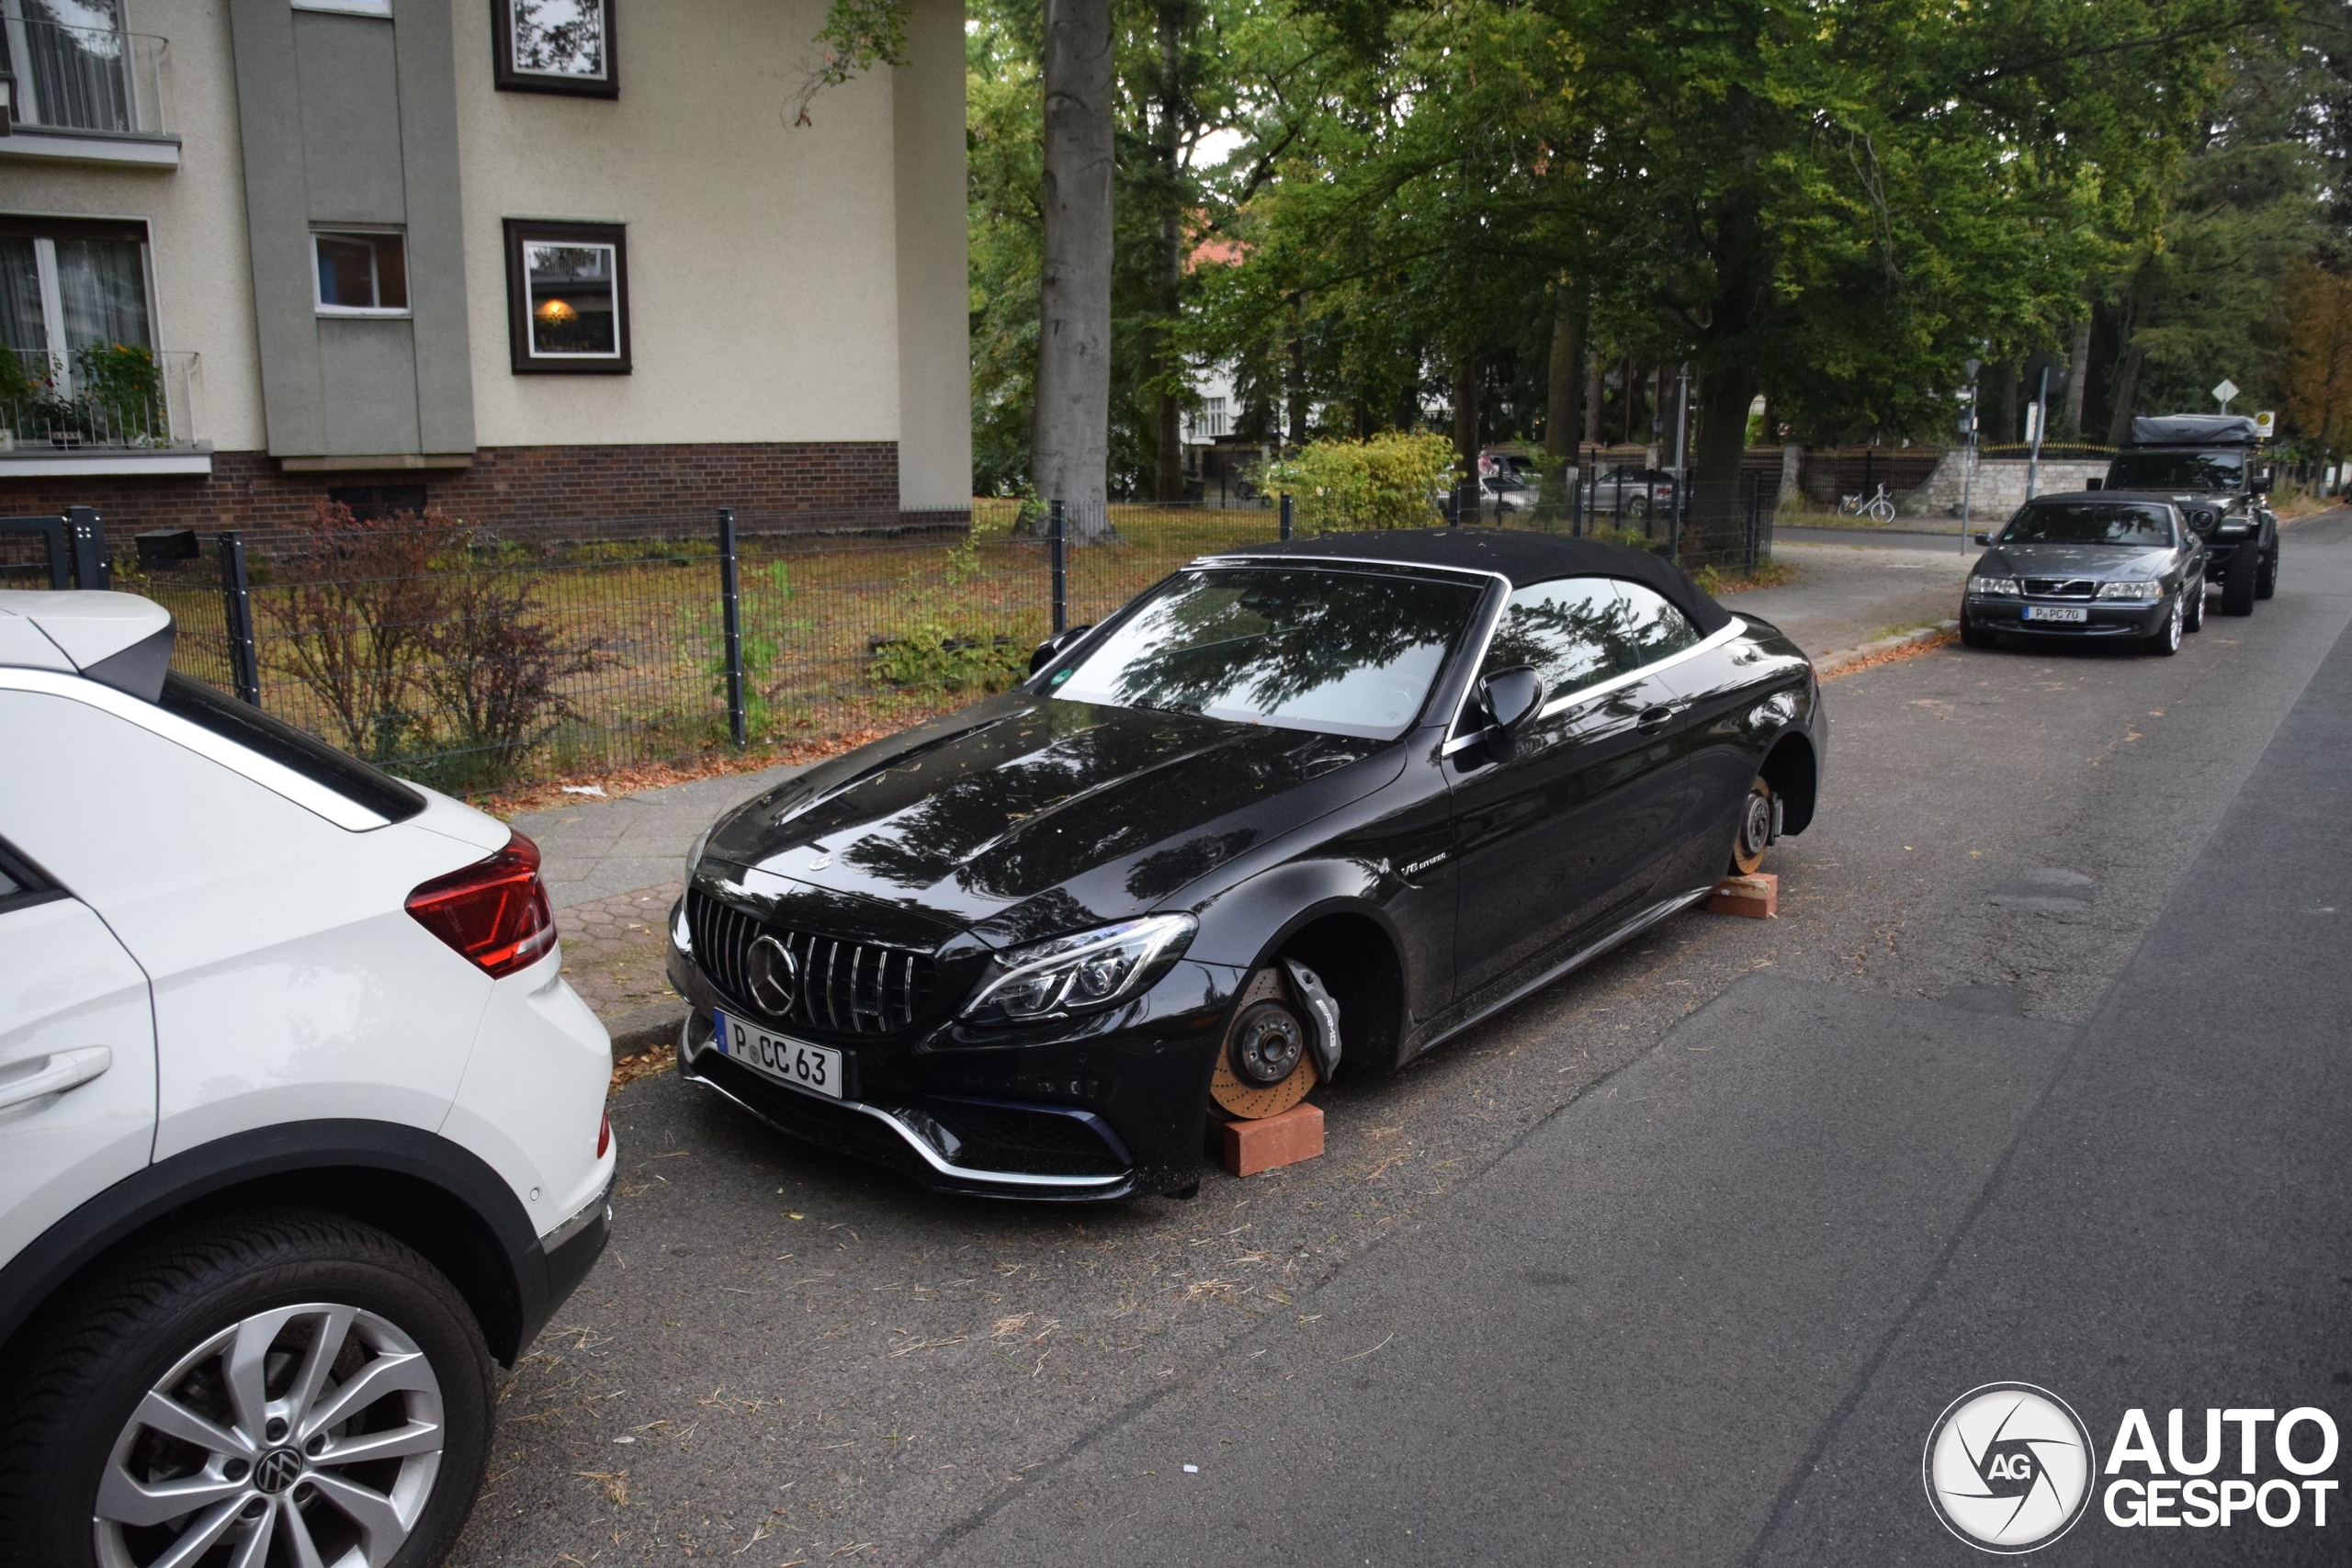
x=120 y=389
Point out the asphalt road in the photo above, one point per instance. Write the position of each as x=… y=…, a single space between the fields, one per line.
x=2039 y=1076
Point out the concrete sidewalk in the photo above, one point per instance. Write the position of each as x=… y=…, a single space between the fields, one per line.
x=613 y=867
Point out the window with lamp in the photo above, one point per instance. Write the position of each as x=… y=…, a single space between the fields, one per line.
x=567 y=297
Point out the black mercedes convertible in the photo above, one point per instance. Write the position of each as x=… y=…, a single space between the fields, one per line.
x=1296 y=811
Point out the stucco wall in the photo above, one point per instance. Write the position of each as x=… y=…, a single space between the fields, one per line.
x=762 y=263
x=933 y=269
x=195 y=216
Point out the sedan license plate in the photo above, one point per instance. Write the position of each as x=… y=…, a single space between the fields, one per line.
x=2069 y=613
x=816 y=1068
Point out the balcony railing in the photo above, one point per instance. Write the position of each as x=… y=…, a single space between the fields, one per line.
x=102 y=400
x=85 y=80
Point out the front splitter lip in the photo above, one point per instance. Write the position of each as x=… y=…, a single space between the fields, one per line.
x=938 y=1172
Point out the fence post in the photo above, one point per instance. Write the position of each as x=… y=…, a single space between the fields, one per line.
x=237 y=606
x=1057 y=550
x=730 y=604
x=1287 y=514
x=89 y=538
x=1755 y=511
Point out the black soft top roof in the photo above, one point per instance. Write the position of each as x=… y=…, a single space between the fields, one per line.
x=2194 y=430
x=1522 y=555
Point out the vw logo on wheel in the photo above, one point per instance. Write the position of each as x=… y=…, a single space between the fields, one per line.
x=2009 y=1467
x=774 y=975
x=278 y=1470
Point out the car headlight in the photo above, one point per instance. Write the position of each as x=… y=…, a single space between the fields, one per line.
x=1079 y=973
x=2144 y=591
x=2003 y=586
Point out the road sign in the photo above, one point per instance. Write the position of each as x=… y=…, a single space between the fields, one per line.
x=2225 y=392
x=2266 y=423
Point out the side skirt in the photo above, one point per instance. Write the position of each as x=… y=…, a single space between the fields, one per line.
x=1632 y=927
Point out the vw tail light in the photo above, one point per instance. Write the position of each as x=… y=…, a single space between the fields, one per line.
x=494 y=911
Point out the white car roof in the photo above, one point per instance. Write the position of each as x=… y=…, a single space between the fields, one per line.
x=80 y=631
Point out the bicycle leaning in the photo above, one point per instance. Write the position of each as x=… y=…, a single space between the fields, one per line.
x=1879 y=508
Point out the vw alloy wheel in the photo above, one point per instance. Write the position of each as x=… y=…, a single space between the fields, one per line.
x=309 y=1434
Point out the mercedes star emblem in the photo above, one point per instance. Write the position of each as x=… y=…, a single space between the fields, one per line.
x=774 y=975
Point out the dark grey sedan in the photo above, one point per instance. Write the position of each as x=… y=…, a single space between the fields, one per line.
x=2100 y=565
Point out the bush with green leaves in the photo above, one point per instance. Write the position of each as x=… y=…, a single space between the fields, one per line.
x=1389 y=481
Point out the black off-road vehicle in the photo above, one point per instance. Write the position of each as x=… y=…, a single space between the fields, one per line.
x=2210 y=466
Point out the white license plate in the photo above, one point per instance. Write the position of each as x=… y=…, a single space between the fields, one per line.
x=817 y=1068
x=2066 y=612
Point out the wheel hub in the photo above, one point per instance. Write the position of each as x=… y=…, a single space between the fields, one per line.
x=279 y=1469
x=1267 y=1046
x=1756 y=827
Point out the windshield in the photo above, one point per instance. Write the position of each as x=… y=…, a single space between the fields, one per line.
x=2176 y=470
x=2090 y=522
x=1337 y=652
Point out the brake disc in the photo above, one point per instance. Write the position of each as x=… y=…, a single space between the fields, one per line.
x=1264 y=1066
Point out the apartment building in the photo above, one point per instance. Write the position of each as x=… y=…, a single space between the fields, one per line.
x=520 y=259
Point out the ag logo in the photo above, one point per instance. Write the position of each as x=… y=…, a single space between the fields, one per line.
x=2009 y=1467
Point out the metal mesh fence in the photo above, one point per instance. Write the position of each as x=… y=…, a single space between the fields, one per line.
x=475 y=657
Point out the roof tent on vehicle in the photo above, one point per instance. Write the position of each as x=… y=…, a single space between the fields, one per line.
x=2194 y=430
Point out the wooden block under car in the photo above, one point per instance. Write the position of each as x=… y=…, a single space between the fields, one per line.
x=1272 y=1141
x=1757 y=897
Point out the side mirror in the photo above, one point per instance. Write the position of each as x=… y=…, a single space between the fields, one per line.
x=2261 y=485
x=1052 y=648
x=2094 y=483
x=1511 y=697
x=1985 y=538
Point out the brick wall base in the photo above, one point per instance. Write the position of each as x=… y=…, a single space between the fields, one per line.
x=780 y=482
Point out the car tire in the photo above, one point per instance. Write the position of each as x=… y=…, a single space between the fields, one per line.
x=2166 y=642
x=2196 y=593
x=1753 y=832
x=2238 y=586
x=1974 y=635
x=89 y=1427
x=2266 y=581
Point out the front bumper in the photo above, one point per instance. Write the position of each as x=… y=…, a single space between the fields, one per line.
x=1099 y=1107
x=2105 y=617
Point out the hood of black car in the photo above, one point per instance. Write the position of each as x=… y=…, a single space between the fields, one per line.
x=2099 y=562
x=1035 y=815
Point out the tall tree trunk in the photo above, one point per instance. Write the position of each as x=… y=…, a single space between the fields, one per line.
x=1629 y=395
x=1465 y=413
x=1295 y=373
x=1593 y=389
x=2078 y=375
x=2011 y=376
x=2127 y=368
x=1563 y=407
x=1071 y=450
x=1169 y=372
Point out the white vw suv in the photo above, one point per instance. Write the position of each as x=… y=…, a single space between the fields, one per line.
x=299 y=1128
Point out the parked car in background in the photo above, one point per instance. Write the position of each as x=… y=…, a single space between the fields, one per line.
x=1297 y=809
x=2097 y=564
x=1510 y=493
x=2210 y=466
x=1630 y=493
x=300 y=1131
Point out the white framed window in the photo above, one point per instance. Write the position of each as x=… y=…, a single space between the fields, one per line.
x=360 y=272
x=72 y=288
x=555 y=46
x=567 y=297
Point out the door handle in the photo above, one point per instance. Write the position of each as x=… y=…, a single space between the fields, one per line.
x=1653 y=719
x=58 y=1072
